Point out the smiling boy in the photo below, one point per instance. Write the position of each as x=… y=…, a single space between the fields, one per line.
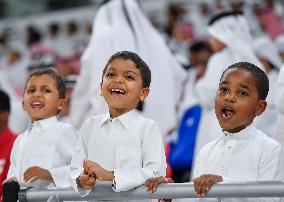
x=120 y=146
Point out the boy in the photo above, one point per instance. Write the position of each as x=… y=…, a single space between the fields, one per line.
x=41 y=155
x=120 y=146
x=242 y=153
x=7 y=138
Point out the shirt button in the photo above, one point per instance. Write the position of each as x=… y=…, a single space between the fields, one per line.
x=223 y=168
x=229 y=146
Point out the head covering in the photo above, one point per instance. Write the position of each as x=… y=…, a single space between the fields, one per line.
x=231 y=28
x=280 y=43
x=266 y=49
x=121 y=25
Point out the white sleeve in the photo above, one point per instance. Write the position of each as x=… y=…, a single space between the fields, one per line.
x=279 y=97
x=67 y=141
x=153 y=163
x=12 y=172
x=79 y=155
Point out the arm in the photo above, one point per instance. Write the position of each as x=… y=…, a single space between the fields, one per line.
x=153 y=162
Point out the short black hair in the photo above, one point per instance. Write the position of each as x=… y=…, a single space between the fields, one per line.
x=200 y=46
x=262 y=81
x=4 y=101
x=60 y=84
x=139 y=63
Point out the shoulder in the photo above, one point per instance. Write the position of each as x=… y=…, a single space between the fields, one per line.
x=209 y=146
x=265 y=141
x=94 y=120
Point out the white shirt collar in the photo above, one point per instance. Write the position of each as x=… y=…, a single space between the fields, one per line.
x=126 y=119
x=45 y=123
x=243 y=134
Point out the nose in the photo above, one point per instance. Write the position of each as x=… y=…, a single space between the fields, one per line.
x=230 y=97
x=119 y=79
x=37 y=93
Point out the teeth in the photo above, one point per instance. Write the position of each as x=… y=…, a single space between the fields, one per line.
x=117 y=91
x=36 y=104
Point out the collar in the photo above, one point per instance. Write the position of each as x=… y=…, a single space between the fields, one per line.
x=126 y=119
x=243 y=134
x=44 y=123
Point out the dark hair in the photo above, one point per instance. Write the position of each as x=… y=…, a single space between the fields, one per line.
x=200 y=46
x=60 y=84
x=262 y=81
x=140 y=64
x=4 y=101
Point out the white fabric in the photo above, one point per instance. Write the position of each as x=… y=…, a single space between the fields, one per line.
x=266 y=49
x=279 y=100
x=206 y=89
x=233 y=31
x=18 y=119
x=249 y=155
x=279 y=97
x=48 y=144
x=112 y=33
x=130 y=145
x=266 y=122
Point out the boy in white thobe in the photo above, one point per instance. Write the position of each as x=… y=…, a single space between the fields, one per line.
x=41 y=155
x=242 y=153
x=120 y=146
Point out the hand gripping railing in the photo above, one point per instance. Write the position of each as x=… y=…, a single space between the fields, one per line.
x=174 y=190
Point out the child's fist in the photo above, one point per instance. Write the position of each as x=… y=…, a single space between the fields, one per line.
x=204 y=183
x=153 y=183
x=85 y=181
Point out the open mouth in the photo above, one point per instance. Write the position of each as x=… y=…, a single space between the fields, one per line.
x=117 y=92
x=37 y=105
x=227 y=112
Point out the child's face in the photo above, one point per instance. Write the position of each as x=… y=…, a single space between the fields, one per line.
x=122 y=87
x=237 y=101
x=41 y=98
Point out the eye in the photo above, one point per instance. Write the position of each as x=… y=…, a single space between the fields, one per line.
x=129 y=77
x=30 y=90
x=110 y=74
x=243 y=93
x=223 y=89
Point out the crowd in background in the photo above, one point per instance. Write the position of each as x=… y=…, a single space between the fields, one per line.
x=67 y=47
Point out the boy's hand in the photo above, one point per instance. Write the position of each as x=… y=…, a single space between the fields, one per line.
x=95 y=170
x=204 y=183
x=35 y=173
x=153 y=183
x=86 y=181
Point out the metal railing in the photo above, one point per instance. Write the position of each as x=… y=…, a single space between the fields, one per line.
x=103 y=191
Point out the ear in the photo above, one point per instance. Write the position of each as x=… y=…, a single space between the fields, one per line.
x=101 y=93
x=145 y=92
x=23 y=105
x=262 y=104
x=61 y=104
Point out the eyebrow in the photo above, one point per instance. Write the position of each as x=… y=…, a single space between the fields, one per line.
x=242 y=85
x=127 y=71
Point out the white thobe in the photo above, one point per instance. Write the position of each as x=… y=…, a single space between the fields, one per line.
x=48 y=144
x=130 y=145
x=249 y=155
